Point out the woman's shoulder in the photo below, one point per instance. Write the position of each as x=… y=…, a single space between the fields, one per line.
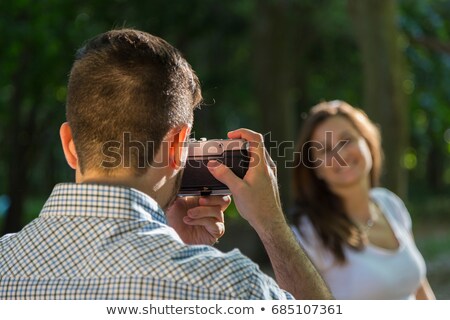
x=384 y=193
x=309 y=239
x=304 y=230
x=306 y=234
x=392 y=204
x=301 y=224
x=387 y=196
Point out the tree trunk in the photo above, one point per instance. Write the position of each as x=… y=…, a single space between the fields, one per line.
x=17 y=162
x=383 y=67
x=273 y=81
x=435 y=167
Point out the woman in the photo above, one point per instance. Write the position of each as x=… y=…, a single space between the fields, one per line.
x=358 y=236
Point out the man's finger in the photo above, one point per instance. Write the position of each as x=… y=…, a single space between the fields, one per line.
x=224 y=174
x=256 y=145
x=212 y=226
x=206 y=212
x=222 y=201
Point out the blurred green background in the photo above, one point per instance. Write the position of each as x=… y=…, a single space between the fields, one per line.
x=262 y=64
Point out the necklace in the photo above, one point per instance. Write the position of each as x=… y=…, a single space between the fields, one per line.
x=374 y=215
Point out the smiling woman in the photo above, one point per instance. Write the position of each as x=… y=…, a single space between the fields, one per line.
x=357 y=234
x=354 y=161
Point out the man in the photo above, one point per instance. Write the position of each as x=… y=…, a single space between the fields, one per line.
x=120 y=232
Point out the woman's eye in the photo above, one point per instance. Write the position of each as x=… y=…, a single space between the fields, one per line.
x=320 y=152
x=348 y=140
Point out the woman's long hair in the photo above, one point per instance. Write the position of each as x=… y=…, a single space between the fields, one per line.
x=313 y=198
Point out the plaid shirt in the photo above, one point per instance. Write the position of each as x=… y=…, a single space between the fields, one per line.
x=106 y=242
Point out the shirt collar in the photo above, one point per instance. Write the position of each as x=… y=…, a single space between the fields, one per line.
x=101 y=201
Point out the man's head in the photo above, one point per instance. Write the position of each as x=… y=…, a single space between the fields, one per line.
x=126 y=84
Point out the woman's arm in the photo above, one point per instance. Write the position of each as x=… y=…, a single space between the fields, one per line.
x=425 y=292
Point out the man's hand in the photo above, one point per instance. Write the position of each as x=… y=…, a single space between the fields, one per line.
x=256 y=195
x=198 y=220
x=257 y=200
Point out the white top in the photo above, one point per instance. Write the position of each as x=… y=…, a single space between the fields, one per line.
x=374 y=272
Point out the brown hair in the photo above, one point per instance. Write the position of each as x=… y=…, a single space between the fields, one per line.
x=128 y=81
x=313 y=198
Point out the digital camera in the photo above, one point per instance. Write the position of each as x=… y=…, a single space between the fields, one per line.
x=197 y=180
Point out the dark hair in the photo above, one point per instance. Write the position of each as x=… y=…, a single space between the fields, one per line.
x=128 y=81
x=313 y=198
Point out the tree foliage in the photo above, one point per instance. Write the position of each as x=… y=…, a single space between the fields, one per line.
x=426 y=28
x=261 y=64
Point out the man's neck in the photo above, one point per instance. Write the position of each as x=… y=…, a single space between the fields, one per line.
x=150 y=183
x=118 y=178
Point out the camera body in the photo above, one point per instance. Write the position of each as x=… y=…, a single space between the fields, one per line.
x=197 y=180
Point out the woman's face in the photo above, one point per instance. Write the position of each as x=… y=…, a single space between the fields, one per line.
x=341 y=155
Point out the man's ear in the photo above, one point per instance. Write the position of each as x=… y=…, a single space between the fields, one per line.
x=68 y=146
x=177 y=149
